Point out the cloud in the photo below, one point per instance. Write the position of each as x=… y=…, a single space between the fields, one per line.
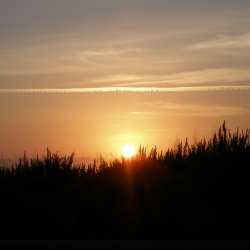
x=158 y=129
x=223 y=41
x=126 y=89
x=117 y=78
x=111 y=52
x=138 y=43
x=188 y=109
x=201 y=77
x=126 y=137
x=117 y=125
x=140 y=114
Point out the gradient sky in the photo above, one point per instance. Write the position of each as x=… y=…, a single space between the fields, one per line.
x=112 y=44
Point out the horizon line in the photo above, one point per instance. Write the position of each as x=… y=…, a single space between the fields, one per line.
x=125 y=89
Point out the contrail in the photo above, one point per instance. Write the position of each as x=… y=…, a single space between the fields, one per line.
x=125 y=89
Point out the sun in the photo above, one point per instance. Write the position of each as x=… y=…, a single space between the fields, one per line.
x=128 y=150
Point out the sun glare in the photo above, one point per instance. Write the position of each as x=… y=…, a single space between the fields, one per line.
x=128 y=150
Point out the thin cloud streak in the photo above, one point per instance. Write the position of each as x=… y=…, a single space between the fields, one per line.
x=125 y=89
x=141 y=113
x=205 y=77
x=225 y=41
x=200 y=110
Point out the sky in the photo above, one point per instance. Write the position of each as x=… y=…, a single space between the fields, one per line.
x=90 y=76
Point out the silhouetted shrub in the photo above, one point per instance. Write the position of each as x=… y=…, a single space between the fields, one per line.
x=197 y=191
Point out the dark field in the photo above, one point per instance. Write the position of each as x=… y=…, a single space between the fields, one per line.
x=191 y=192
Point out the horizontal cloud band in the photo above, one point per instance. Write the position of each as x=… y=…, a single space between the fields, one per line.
x=127 y=89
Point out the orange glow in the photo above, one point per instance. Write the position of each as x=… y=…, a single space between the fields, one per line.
x=128 y=150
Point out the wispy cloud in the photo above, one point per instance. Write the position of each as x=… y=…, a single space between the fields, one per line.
x=158 y=129
x=223 y=40
x=201 y=77
x=140 y=113
x=117 y=78
x=111 y=52
x=125 y=137
x=188 y=109
x=126 y=89
x=117 y=125
x=123 y=43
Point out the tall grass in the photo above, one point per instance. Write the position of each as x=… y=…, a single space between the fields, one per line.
x=197 y=191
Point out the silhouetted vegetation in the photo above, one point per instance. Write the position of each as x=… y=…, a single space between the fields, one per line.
x=197 y=191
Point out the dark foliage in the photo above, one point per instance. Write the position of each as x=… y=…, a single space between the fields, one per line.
x=195 y=191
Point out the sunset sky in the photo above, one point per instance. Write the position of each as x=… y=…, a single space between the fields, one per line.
x=184 y=66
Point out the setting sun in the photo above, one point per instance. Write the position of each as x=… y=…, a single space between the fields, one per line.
x=128 y=150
